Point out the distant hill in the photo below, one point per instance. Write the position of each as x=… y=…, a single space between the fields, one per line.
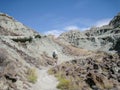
x=105 y=38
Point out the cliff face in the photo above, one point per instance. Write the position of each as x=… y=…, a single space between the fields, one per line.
x=15 y=57
x=105 y=38
x=115 y=22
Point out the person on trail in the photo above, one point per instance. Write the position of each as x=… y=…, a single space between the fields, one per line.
x=55 y=56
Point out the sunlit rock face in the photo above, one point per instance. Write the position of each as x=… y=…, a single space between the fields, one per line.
x=115 y=22
x=105 y=38
x=10 y=26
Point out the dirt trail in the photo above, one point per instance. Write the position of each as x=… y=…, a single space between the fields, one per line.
x=49 y=82
x=45 y=81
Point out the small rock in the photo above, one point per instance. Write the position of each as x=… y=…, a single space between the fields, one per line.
x=118 y=78
x=118 y=63
x=95 y=66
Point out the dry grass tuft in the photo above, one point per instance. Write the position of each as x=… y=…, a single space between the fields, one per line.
x=32 y=75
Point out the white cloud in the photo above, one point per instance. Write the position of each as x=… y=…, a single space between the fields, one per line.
x=58 y=32
x=85 y=28
x=71 y=28
x=102 y=22
x=98 y=23
x=76 y=28
x=53 y=32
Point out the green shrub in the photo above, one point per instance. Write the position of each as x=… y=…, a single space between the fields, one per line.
x=63 y=84
x=50 y=71
x=37 y=36
x=23 y=40
x=32 y=75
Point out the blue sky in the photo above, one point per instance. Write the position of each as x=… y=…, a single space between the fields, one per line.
x=56 y=16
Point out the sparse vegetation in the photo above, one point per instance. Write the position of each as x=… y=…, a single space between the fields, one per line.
x=63 y=84
x=32 y=75
x=50 y=71
x=80 y=76
x=23 y=40
x=66 y=84
x=38 y=36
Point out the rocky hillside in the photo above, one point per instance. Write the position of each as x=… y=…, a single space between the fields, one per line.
x=99 y=72
x=24 y=51
x=11 y=27
x=26 y=57
x=105 y=38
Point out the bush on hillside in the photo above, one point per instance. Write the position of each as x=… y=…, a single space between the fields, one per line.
x=23 y=40
x=32 y=75
x=37 y=36
x=63 y=84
